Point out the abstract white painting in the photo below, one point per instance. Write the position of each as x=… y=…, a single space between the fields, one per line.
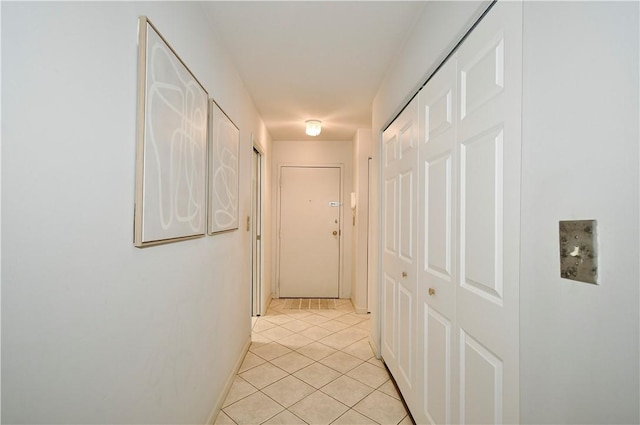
x=223 y=172
x=172 y=145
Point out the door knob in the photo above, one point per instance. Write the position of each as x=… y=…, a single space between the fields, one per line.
x=432 y=292
x=335 y=233
x=404 y=274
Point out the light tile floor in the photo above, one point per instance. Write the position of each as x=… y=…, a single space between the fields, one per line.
x=312 y=367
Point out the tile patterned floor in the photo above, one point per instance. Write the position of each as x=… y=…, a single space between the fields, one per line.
x=312 y=367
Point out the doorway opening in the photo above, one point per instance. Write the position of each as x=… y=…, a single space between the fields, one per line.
x=370 y=286
x=256 y=233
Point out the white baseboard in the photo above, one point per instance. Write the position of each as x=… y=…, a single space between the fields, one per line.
x=227 y=386
x=266 y=305
x=375 y=348
x=361 y=310
x=357 y=308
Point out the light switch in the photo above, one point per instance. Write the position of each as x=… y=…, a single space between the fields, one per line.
x=579 y=250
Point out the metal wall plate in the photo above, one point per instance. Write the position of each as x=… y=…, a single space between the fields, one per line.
x=578 y=250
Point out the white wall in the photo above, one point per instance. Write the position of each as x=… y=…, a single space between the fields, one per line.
x=93 y=329
x=579 y=342
x=437 y=30
x=316 y=153
x=359 y=218
x=435 y=33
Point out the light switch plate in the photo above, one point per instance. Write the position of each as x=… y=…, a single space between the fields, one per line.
x=579 y=250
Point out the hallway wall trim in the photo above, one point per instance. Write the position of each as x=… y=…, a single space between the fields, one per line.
x=217 y=407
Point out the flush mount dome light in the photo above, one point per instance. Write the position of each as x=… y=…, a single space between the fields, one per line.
x=313 y=127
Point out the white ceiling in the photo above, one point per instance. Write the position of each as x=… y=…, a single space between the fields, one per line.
x=313 y=59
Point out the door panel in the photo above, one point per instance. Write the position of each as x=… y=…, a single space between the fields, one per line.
x=437 y=229
x=406 y=207
x=487 y=301
x=398 y=316
x=390 y=149
x=438 y=113
x=438 y=216
x=481 y=383
x=309 y=248
x=390 y=208
x=481 y=216
x=437 y=376
x=389 y=334
x=407 y=137
x=405 y=334
x=482 y=77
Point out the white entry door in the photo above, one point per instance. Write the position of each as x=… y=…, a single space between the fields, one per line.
x=309 y=254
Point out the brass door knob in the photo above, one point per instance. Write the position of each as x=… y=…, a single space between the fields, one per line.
x=335 y=233
x=432 y=292
x=404 y=274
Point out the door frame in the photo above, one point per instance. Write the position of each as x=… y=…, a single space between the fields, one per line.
x=340 y=224
x=369 y=249
x=257 y=216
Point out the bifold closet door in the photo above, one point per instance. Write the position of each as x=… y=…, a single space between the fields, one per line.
x=468 y=249
x=436 y=351
x=460 y=314
x=398 y=314
x=488 y=129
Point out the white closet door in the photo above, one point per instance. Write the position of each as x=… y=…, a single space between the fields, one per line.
x=461 y=316
x=437 y=276
x=489 y=139
x=398 y=300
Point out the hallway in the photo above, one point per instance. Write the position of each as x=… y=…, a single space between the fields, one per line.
x=312 y=366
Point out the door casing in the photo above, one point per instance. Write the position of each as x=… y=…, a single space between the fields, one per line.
x=257 y=242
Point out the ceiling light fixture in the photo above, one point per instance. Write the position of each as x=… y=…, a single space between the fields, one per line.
x=313 y=127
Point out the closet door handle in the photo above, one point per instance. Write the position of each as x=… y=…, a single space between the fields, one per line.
x=404 y=274
x=432 y=292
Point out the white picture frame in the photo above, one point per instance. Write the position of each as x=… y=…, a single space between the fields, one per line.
x=223 y=171
x=171 y=153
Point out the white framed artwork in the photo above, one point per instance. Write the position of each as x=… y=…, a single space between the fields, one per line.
x=171 y=153
x=223 y=171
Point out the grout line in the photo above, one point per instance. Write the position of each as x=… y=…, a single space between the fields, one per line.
x=336 y=328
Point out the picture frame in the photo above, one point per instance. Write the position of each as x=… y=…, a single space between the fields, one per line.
x=223 y=171
x=171 y=151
